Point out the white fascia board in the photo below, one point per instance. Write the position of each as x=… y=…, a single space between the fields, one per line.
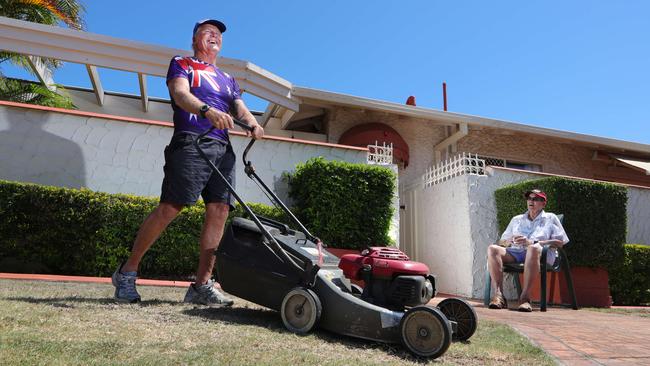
x=634 y=163
x=372 y=104
x=320 y=97
x=250 y=87
x=120 y=54
x=260 y=84
x=84 y=48
x=234 y=64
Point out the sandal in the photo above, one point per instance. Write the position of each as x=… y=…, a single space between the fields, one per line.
x=498 y=302
x=524 y=306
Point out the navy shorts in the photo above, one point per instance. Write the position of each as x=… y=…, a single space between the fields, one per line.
x=188 y=175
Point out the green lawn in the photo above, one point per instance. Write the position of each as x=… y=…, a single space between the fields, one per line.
x=50 y=323
x=638 y=311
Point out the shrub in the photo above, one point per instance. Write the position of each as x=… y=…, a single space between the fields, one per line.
x=630 y=282
x=346 y=205
x=594 y=216
x=81 y=232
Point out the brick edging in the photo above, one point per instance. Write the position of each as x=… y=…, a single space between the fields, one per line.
x=84 y=279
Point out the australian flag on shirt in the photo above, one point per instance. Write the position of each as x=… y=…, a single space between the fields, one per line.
x=208 y=83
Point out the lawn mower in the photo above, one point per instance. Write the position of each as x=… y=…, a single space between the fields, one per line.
x=273 y=265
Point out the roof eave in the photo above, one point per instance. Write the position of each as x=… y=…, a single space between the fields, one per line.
x=321 y=96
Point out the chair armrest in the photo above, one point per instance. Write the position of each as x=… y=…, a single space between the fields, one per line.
x=562 y=253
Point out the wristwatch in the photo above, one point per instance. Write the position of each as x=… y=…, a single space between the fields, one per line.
x=203 y=110
x=535 y=242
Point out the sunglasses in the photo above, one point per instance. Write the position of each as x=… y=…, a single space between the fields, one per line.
x=537 y=199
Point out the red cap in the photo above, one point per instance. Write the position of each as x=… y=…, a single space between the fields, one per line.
x=537 y=192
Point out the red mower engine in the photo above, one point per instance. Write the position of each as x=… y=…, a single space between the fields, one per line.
x=391 y=279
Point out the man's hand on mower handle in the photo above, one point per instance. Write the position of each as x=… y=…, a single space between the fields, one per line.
x=219 y=120
x=257 y=132
x=253 y=129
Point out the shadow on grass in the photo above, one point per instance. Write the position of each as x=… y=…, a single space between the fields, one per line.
x=64 y=302
x=271 y=320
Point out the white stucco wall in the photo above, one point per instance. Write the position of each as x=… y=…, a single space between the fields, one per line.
x=448 y=227
x=483 y=221
x=125 y=157
x=638 y=215
x=442 y=240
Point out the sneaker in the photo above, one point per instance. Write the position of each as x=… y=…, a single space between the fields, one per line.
x=125 y=285
x=206 y=295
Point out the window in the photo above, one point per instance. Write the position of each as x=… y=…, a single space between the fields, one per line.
x=489 y=160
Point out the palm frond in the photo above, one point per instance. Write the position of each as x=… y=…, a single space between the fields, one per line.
x=45 y=11
x=21 y=61
x=22 y=91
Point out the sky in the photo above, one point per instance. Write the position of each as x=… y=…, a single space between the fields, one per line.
x=580 y=66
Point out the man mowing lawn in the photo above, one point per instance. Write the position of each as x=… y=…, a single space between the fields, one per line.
x=202 y=96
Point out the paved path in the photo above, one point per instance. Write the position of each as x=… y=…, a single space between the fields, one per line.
x=581 y=337
x=573 y=337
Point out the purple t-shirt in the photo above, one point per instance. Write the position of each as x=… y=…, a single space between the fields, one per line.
x=208 y=83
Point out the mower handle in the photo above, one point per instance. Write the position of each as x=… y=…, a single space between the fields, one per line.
x=235 y=120
x=242 y=125
x=249 y=169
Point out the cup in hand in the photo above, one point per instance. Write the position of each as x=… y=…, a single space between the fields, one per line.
x=516 y=238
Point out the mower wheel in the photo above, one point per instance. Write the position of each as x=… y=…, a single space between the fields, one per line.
x=301 y=310
x=461 y=312
x=425 y=331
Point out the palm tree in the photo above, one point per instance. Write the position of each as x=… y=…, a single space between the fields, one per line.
x=52 y=12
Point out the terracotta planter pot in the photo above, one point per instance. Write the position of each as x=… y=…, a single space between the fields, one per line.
x=591 y=287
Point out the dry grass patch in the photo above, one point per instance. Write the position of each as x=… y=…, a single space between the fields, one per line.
x=80 y=324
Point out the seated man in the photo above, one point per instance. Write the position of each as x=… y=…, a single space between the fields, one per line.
x=522 y=242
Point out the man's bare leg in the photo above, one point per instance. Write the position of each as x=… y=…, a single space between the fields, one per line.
x=149 y=231
x=216 y=215
x=497 y=256
x=531 y=270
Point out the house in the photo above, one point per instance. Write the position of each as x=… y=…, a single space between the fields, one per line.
x=447 y=209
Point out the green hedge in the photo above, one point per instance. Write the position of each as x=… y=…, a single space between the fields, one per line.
x=594 y=216
x=630 y=282
x=81 y=232
x=346 y=205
